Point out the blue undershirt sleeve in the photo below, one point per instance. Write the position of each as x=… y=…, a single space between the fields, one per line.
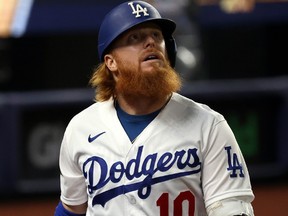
x=61 y=211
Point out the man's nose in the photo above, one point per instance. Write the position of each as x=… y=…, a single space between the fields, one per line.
x=149 y=41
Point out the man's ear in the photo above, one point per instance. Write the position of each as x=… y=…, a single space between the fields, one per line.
x=110 y=62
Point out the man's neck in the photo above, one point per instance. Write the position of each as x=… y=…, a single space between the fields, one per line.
x=141 y=105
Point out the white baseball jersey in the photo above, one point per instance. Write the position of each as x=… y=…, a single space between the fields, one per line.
x=186 y=159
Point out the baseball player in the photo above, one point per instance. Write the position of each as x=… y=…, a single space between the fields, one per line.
x=142 y=148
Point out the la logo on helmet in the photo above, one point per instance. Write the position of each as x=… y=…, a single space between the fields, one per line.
x=139 y=9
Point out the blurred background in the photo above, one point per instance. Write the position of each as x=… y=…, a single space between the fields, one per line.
x=232 y=55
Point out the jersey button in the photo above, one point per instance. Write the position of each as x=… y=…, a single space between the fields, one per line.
x=132 y=200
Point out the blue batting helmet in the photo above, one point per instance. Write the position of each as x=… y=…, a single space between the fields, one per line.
x=129 y=14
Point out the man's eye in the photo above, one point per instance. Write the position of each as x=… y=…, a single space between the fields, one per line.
x=157 y=35
x=134 y=37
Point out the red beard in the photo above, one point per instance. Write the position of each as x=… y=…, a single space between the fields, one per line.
x=159 y=83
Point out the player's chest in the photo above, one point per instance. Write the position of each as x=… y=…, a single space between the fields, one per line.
x=109 y=165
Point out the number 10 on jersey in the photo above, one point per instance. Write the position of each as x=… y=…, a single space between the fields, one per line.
x=163 y=203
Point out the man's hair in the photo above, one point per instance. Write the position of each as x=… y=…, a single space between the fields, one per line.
x=103 y=82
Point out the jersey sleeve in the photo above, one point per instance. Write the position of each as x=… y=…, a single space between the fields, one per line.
x=72 y=181
x=224 y=171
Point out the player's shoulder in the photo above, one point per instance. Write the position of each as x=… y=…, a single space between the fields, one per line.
x=95 y=111
x=193 y=108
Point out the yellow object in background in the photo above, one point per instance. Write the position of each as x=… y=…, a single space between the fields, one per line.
x=237 y=6
x=7 y=11
x=14 y=16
